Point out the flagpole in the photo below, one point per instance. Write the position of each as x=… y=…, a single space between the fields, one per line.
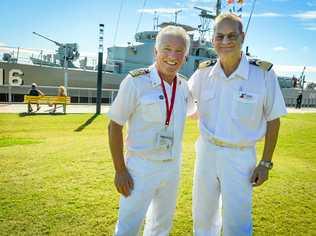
x=252 y=10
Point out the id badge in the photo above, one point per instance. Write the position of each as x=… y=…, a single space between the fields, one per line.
x=164 y=140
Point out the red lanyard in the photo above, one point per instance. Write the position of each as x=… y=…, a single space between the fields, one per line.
x=173 y=95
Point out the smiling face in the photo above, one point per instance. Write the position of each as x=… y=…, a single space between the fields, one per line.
x=228 y=39
x=170 y=55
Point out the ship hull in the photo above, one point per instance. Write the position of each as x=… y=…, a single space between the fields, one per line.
x=54 y=76
x=81 y=83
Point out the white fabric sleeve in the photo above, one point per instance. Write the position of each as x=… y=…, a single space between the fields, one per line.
x=124 y=103
x=193 y=93
x=274 y=106
x=193 y=84
x=191 y=106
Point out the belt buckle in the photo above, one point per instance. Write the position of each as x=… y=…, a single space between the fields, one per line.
x=221 y=143
x=224 y=144
x=218 y=142
x=242 y=147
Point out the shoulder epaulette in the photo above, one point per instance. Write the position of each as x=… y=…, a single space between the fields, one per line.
x=207 y=63
x=182 y=77
x=138 y=72
x=264 y=65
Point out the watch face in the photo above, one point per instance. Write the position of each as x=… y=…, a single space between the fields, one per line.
x=267 y=164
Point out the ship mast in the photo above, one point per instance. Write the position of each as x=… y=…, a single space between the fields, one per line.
x=176 y=15
x=155 y=21
x=206 y=16
x=218 y=7
x=302 y=79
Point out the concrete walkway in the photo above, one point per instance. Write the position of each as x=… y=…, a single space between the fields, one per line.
x=302 y=110
x=72 y=109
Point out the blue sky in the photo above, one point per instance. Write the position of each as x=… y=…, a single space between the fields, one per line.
x=281 y=31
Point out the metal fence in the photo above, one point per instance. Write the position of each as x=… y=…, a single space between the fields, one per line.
x=78 y=95
x=9 y=94
x=306 y=102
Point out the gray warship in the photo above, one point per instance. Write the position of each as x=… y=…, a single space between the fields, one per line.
x=48 y=70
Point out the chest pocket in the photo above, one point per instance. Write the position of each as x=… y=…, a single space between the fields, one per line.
x=244 y=106
x=151 y=108
x=206 y=102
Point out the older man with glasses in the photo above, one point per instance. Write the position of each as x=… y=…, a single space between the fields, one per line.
x=239 y=102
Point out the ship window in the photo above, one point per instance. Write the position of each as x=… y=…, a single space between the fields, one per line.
x=74 y=99
x=83 y=99
x=197 y=52
x=118 y=67
x=196 y=64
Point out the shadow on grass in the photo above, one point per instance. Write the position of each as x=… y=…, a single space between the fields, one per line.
x=49 y=111
x=85 y=124
x=23 y=114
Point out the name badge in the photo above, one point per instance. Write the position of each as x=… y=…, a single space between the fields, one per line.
x=164 y=140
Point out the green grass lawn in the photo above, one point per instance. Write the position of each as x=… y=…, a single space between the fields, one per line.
x=56 y=177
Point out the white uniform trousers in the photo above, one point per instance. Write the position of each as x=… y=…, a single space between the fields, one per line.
x=155 y=192
x=222 y=191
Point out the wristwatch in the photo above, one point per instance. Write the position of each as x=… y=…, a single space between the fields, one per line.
x=266 y=164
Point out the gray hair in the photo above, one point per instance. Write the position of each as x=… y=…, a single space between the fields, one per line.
x=230 y=17
x=174 y=31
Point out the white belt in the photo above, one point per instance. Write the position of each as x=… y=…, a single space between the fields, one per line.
x=221 y=143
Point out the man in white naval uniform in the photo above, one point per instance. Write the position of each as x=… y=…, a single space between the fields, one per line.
x=239 y=102
x=153 y=102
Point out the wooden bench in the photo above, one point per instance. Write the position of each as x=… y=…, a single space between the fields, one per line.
x=48 y=100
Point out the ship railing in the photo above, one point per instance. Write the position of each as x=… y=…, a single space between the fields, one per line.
x=23 y=56
x=306 y=102
x=79 y=95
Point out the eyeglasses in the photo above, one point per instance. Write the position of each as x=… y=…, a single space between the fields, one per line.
x=230 y=37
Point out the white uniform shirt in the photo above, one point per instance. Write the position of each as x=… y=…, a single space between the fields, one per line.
x=236 y=109
x=140 y=102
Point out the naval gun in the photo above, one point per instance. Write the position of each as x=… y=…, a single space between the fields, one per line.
x=66 y=53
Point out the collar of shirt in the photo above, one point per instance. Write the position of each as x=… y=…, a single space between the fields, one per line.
x=155 y=78
x=240 y=73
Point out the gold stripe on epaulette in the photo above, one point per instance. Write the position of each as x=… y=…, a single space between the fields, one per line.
x=264 y=65
x=207 y=63
x=138 y=72
x=183 y=77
